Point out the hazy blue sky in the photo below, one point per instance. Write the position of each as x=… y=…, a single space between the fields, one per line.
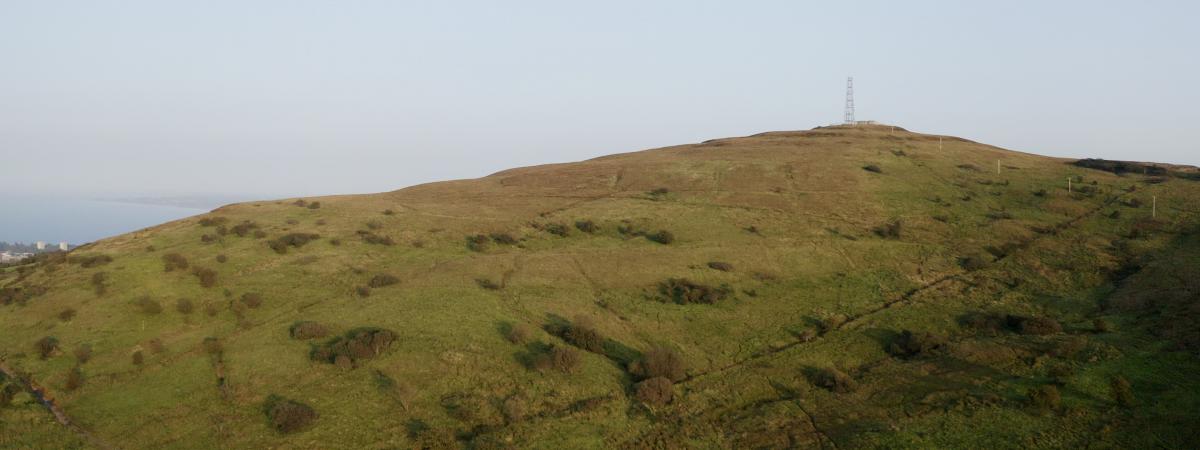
x=273 y=98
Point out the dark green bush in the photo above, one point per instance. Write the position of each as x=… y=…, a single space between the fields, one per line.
x=655 y=391
x=477 y=243
x=148 y=305
x=173 y=261
x=314 y=205
x=1044 y=398
x=911 y=344
x=355 y=346
x=662 y=237
x=722 y=266
x=296 y=240
x=383 y=280
x=835 y=380
x=46 y=346
x=586 y=226
x=213 y=346
x=308 y=330
x=288 y=416
x=659 y=362
x=872 y=168
x=684 y=291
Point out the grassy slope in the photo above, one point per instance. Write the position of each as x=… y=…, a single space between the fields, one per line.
x=815 y=257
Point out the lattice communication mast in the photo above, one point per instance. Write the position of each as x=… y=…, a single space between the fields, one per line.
x=849 y=119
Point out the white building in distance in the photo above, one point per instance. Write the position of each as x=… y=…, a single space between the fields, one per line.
x=41 y=245
x=62 y=246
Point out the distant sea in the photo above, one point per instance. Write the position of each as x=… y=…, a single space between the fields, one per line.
x=79 y=220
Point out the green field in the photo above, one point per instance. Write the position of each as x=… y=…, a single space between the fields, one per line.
x=1020 y=284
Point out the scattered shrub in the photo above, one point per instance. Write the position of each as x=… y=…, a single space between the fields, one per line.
x=911 y=344
x=300 y=202
x=207 y=277
x=1039 y=193
x=1122 y=391
x=968 y=167
x=518 y=333
x=137 y=358
x=46 y=346
x=208 y=238
x=148 y=305
x=356 y=345
x=586 y=226
x=890 y=230
x=280 y=244
x=659 y=362
x=1100 y=326
x=388 y=212
x=210 y=309
x=213 y=221
x=1132 y=203
x=872 y=168
x=374 y=225
x=66 y=315
x=1033 y=325
x=308 y=330
x=98 y=283
x=514 y=409
x=375 y=239
x=244 y=228
x=88 y=262
x=212 y=346
x=659 y=191
x=564 y=359
x=83 y=354
x=835 y=380
x=972 y=263
x=252 y=300
x=259 y=234
x=383 y=280
x=655 y=391
x=362 y=291
x=172 y=261
x=684 y=291
x=488 y=284
x=999 y=215
x=288 y=416
x=184 y=306
x=556 y=229
x=222 y=230
x=722 y=266
x=222 y=259
x=155 y=345
x=477 y=243
x=74 y=379
x=988 y=322
x=662 y=237
x=583 y=334
x=335 y=242
x=503 y=238
x=1044 y=398
x=314 y=205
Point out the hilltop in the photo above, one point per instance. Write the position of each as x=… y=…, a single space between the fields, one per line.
x=842 y=287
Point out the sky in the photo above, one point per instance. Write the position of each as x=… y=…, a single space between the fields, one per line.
x=290 y=98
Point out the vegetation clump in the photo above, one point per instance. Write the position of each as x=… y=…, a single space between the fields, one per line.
x=213 y=221
x=722 y=266
x=683 y=291
x=586 y=226
x=355 y=346
x=67 y=314
x=74 y=379
x=872 y=168
x=1122 y=391
x=46 y=346
x=90 y=261
x=890 y=230
x=252 y=300
x=560 y=358
x=1044 y=398
x=835 y=380
x=477 y=243
x=1033 y=325
x=83 y=354
x=582 y=333
x=375 y=239
x=296 y=240
x=184 y=306
x=518 y=333
x=911 y=344
x=556 y=229
x=383 y=280
x=207 y=277
x=244 y=228
x=659 y=362
x=148 y=305
x=173 y=261
x=288 y=416
x=99 y=285
x=308 y=329
x=503 y=239
x=972 y=263
x=655 y=391
x=662 y=237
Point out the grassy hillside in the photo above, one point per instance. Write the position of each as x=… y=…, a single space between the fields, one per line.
x=840 y=287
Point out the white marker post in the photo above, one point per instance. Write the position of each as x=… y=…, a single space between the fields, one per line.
x=1068 y=184
x=997 y=167
x=1154 y=206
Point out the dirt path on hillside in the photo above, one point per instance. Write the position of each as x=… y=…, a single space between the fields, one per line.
x=43 y=397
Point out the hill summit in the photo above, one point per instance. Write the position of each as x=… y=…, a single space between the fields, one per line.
x=841 y=287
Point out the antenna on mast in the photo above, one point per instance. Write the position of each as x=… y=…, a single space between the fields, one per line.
x=849 y=118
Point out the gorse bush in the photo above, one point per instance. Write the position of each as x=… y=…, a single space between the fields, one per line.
x=582 y=333
x=587 y=226
x=90 y=261
x=46 y=346
x=477 y=243
x=99 y=283
x=683 y=291
x=252 y=300
x=206 y=276
x=911 y=344
x=488 y=284
x=173 y=261
x=662 y=237
x=148 y=305
x=872 y=168
x=288 y=416
x=213 y=221
x=66 y=315
x=362 y=291
x=890 y=230
x=314 y=205
x=722 y=266
x=295 y=240
x=375 y=239
x=355 y=346
x=244 y=228
x=655 y=391
x=518 y=333
x=222 y=259
x=137 y=358
x=562 y=359
x=383 y=280
x=184 y=306
x=1033 y=325
x=308 y=330
x=1044 y=398
x=503 y=238
x=557 y=229
x=659 y=362
x=835 y=380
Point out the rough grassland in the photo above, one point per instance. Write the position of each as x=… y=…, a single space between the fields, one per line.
x=815 y=283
